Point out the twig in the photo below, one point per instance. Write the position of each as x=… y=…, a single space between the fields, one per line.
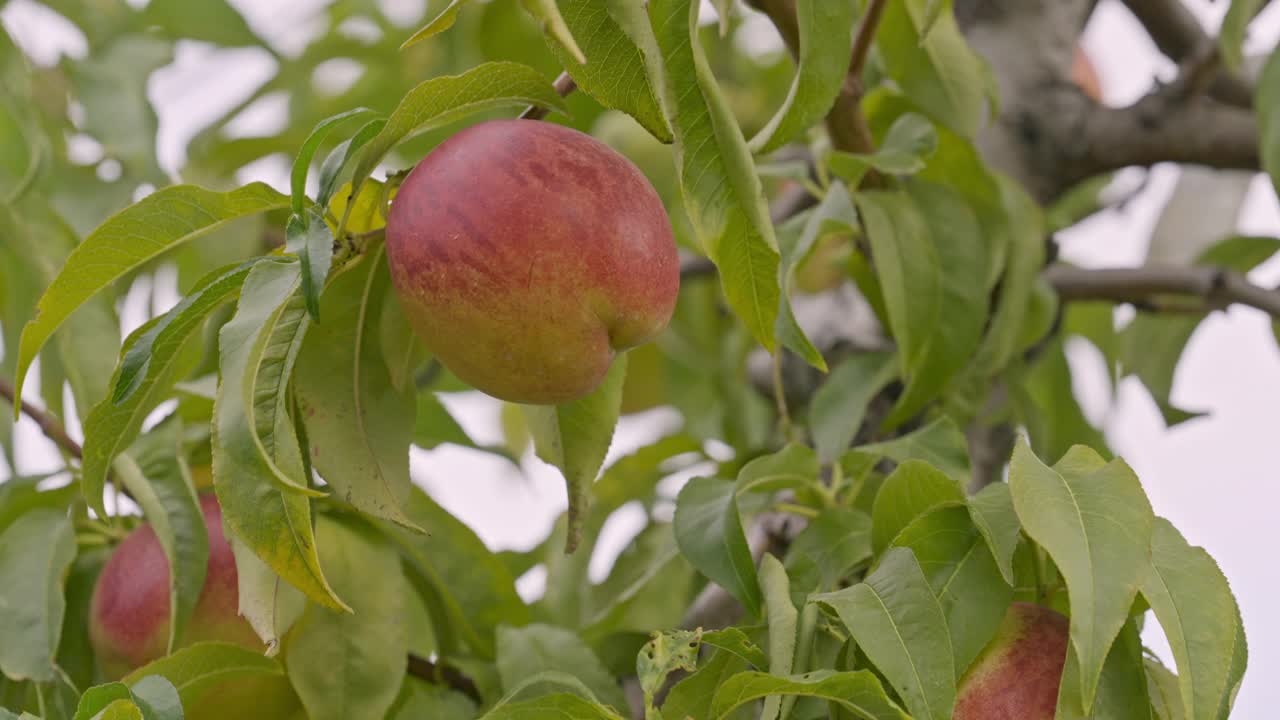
x=49 y=425
x=438 y=673
x=563 y=85
x=1179 y=35
x=1217 y=287
x=846 y=124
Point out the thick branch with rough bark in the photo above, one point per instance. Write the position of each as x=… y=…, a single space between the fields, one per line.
x=1196 y=131
x=1216 y=288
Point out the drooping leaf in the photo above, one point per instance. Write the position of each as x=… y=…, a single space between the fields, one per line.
x=314 y=241
x=858 y=692
x=35 y=552
x=547 y=15
x=722 y=192
x=447 y=98
x=575 y=437
x=1096 y=525
x=898 y=622
x=359 y=424
x=157 y=478
x=826 y=39
x=938 y=71
x=441 y=22
x=268 y=603
x=614 y=73
x=148 y=367
x=1194 y=604
x=795 y=245
x=130 y=239
x=709 y=532
x=1122 y=688
x=840 y=404
x=350 y=665
x=782 y=618
x=302 y=162
x=273 y=521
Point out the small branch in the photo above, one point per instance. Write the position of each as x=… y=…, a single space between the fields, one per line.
x=846 y=124
x=563 y=85
x=49 y=425
x=1178 y=34
x=1218 y=288
x=437 y=673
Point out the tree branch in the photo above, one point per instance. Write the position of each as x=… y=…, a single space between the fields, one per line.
x=438 y=673
x=1216 y=287
x=1179 y=35
x=1162 y=128
x=563 y=85
x=49 y=425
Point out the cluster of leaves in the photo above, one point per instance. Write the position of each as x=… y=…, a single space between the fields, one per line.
x=288 y=360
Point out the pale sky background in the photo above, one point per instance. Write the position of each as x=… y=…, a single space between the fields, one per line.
x=1215 y=478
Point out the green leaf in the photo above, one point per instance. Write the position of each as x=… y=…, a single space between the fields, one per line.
x=911 y=140
x=838 y=407
x=722 y=192
x=709 y=532
x=120 y=710
x=475 y=588
x=940 y=443
x=98 y=698
x=939 y=72
x=1267 y=101
x=665 y=653
x=794 y=466
x=1122 y=689
x=302 y=163
x=149 y=364
x=314 y=241
x=1194 y=604
x=213 y=21
x=734 y=640
x=858 y=692
x=833 y=545
x=898 y=622
x=447 y=98
x=35 y=553
x=359 y=425
x=834 y=209
x=420 y=699
x=1162 y=687
x=272 y=521
x=157 y=478
x=1096 y=525
x=547 y=15
x=441 y=22
x=196 y=669
x=1047 y=405
x=21 y=495
x=525 y=652
x=268 y=603
x=1235 y=26
x=692 y=696
x=962 y=572
x=340 y=157
x=575 y=437
x=993 y=513
x=825 y=30
x=157 y=698
x=350 y=665
x=782 y=618
x=560 y=705
x=130 y=239
x=912 y=489
x=615 y=72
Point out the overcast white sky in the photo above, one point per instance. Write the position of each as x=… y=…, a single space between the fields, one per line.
x=1215 y=478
